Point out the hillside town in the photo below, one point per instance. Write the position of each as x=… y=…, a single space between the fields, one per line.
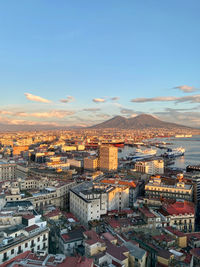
x=68 y=199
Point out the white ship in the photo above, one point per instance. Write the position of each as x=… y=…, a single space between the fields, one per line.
x=183 y=135
x=175 y=152
x=143 y=154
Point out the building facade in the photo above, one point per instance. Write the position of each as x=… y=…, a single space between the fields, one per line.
x=156 y=189
x=108 y=156
x=152 y=167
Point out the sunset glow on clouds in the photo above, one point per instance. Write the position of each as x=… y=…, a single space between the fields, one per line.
x=77 y=72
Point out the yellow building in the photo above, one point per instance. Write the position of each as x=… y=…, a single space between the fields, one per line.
x=108 y=158
x=156 y=189
x=91 y=163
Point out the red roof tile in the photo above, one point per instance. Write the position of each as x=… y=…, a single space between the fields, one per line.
x=31 y=228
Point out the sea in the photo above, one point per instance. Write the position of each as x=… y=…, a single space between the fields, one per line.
x=190 y=144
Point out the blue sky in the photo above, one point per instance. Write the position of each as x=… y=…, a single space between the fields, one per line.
x=90 y=51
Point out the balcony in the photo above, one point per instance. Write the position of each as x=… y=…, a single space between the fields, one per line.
x=5 y=258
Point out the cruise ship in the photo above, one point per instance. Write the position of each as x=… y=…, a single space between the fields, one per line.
x=175 y=152
x=143 y=154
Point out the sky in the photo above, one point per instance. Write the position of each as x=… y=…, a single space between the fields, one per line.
x=81 y=62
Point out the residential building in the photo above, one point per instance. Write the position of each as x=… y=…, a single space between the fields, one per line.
x=87 y=203
x=7 y=171
x=48 y=192
x=90 y=200
x=18 y=239
x=70 y=241
x=156 y=188
x=155 y=166
x=180 y=215
x=108 y=156
x=91 y=163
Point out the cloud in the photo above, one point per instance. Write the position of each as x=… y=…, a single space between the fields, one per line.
x=6 y=112
x=104 y=116
x=186 y=88
x=68 y=99
x=52 y=114
x=98 y=100
x=127 y=111
x=36 y=98
x=189 y=118
x=115 y=98
x=189 y=99
x=91 y=109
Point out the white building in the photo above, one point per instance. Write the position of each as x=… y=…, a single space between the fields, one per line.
x=88 y=201
x=87 y=204
x=19 y=239
x=155 y=166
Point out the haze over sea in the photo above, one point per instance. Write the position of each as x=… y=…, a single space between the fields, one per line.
x=191 y=145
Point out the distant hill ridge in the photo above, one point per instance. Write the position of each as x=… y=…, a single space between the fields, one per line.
x=143 y=121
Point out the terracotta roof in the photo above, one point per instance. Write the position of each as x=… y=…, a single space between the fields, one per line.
x=77 y=262
x=76 y=234
x=28 y=216
x=31 y=228
x=195 y=252
x=92 y=237
x=175 y=231
x=146 y=212
x=108 y=236
x=183 y=207
x=119 y=182
x=116 y=252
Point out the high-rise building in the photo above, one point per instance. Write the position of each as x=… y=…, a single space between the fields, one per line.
x=108 y=158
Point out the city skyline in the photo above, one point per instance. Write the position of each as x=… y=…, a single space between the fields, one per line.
x=80 y=64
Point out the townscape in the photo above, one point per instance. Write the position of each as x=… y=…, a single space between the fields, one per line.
x=68 y=200
x=99 y=133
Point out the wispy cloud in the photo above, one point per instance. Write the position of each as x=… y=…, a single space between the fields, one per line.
x=127 y=111
x=98 y=100
x=36 y=98
x=68 y=99
x=186 y=88
x=103 y=115
x=115 y=98
x=189 y=99
x=91 y=109
x=190 y=118
x=52 y=114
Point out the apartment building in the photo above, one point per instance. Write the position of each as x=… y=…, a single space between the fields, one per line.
x=91 y=163
x=89 y=201
x=108 y=156
x=180 y=215
x=49 y=192
x=7 y=171
x=17 y=239
x=157 y=189
x=152 y=167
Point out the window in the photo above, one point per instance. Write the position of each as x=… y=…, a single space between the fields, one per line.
x=38 y=247
x=12 y=251
x=26 y=245
x=38 y=239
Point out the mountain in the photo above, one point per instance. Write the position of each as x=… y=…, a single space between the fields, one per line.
x=142 y=121
x=37 y=127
